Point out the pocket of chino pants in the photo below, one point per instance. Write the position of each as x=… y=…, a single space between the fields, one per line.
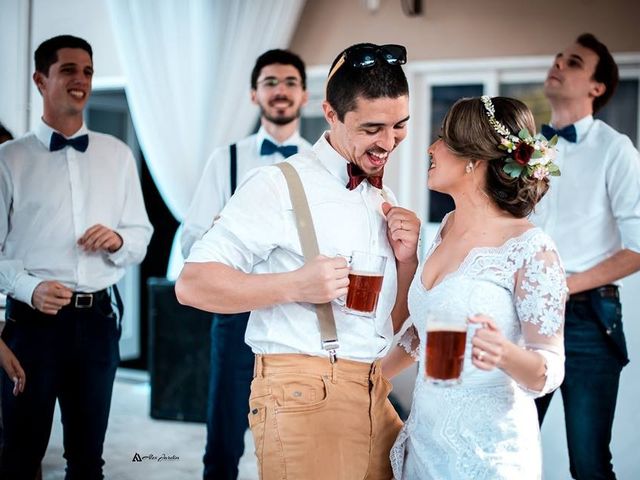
x=296 y=392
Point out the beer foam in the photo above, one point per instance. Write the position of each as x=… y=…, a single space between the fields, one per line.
x=365 y=274
x=445 y=327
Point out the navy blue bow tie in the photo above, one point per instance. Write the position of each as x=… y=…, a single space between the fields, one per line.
x=58 y=142
x=568 y=133
x=268 y=147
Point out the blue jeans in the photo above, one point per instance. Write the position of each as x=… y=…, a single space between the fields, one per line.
x=590 y=388
x=229 y=388
x=72 y=357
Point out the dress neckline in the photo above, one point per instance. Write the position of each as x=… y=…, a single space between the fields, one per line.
x=473 y=252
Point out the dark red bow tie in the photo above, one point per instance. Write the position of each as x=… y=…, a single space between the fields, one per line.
x=356 y=176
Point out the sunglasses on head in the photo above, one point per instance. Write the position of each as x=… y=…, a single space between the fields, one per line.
x=366 y=56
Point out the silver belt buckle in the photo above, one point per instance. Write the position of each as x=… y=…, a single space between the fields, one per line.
x=84 y=300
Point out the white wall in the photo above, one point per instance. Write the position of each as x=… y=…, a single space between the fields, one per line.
x=14 y=65
x=89 y=19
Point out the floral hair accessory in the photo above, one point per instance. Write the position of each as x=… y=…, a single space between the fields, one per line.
x=529 y=155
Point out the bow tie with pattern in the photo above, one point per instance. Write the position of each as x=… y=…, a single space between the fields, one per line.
x=268 y=148
x=58 y=142
x=568 y=133
x=356 y=176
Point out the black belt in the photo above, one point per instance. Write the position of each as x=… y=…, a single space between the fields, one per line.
x=606 y=291
x=86 y=299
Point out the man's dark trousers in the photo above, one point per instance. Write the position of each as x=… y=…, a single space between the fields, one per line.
x=595 y=354
x=229 y=387
x=72 y=357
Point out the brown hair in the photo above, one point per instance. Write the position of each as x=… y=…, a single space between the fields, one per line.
x=606 y=70
x=467 y=133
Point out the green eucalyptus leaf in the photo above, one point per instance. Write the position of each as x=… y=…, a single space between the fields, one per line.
x=536 y=154
x=512 y=169
x=524 y=133
x=553 y=141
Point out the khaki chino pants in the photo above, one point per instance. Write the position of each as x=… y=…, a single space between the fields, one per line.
x=311 y=419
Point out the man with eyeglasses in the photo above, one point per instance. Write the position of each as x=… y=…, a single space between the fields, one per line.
x=317 y=411
x=278 y=87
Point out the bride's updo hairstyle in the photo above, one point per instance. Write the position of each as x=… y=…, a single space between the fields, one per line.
x=468 y=132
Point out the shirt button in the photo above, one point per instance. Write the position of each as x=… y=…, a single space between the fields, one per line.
x=608 y=331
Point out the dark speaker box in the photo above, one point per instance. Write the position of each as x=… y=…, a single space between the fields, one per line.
x=179 y=348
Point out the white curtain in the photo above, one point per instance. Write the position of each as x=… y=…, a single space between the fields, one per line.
x=187 y=65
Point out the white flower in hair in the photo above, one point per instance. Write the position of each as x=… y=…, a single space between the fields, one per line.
x=529 y=155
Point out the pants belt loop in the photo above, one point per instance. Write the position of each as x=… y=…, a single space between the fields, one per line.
x=334 y=372
x=257 y=366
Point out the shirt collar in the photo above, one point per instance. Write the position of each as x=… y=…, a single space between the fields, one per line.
x=262 y=134
x=331 y=159
x=582 y=127
x=43 y=132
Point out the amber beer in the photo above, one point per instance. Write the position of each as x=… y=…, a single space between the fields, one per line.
x=445 y=353
x=366 y=272
x=364 y=289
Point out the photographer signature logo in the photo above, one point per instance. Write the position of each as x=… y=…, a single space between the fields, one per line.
x=154 y=458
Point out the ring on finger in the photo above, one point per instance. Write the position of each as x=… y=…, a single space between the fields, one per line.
x=481 y=355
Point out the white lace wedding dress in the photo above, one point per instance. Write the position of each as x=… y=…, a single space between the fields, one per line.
x=486 y=427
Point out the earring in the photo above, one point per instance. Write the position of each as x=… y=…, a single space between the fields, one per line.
x=469 y=167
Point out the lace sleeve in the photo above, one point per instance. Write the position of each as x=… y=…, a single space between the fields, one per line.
x=540 y=295
x=410 y=342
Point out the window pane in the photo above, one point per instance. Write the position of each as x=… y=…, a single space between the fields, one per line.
x=532 y=95
x=312 y=127
x=442 y=98
x=622 y=110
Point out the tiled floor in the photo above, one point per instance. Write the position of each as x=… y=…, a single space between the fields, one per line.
x=132 y=431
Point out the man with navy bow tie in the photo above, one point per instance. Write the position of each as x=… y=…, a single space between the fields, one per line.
x=72 y=217
x=592 y=211
x=278 y=88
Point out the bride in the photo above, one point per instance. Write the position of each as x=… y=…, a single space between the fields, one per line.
x=490 y=265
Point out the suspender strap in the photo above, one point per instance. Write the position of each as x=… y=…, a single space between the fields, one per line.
x=233 y=164
x=309 y=242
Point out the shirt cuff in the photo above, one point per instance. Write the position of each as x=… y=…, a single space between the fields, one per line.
x=119 y=255
x=24 y=287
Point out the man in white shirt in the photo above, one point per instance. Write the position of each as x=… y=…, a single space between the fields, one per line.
x=312 y=417
x=592 y=212
x=278 y=87
x=72 y=218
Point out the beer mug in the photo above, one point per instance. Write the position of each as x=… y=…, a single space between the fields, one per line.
x=366 y=272
x=446 y=342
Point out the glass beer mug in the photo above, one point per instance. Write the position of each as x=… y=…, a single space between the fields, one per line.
x=365 y=283
x=446 y=342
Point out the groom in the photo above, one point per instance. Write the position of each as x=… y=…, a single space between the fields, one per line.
x=312 y=417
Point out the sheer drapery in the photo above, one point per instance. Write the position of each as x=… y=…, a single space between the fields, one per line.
x=187 y=65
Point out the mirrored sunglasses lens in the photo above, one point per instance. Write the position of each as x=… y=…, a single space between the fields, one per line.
x=394 y=54
x=363 y=59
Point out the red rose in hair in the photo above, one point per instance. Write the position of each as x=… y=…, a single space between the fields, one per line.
x=522 y=153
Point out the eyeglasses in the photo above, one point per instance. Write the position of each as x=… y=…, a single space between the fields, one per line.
x=366 y=56
x=273 y=82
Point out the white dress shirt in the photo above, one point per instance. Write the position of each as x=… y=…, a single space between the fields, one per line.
x=49 y=199
x=592 y=210
x=214 y=189
x=256 y=233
